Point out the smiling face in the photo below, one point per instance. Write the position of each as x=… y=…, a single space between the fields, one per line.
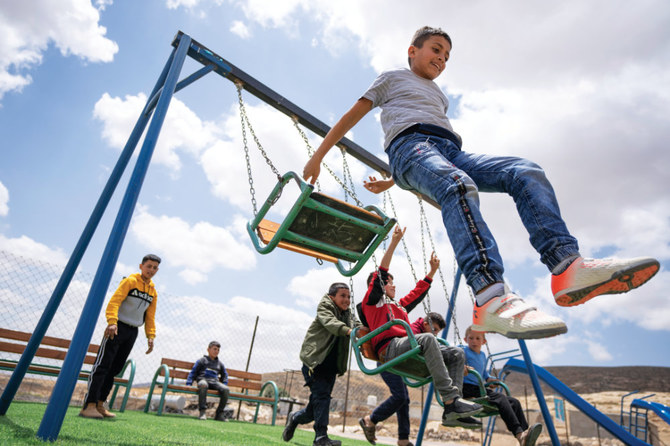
x=213 y=351
x=342 y=298
x=429 y=60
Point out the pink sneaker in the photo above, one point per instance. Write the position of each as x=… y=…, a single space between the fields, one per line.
x=510 y=316
x=587 y=278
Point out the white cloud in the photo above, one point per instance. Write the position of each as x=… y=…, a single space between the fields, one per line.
x=26 y=247
x=182 y=132
x=175 y=4
x=598 y=351
x=240 y=29
x=29 y=27
x=4 y=200
x=186 y=245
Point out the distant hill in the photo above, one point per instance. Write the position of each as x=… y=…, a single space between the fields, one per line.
x=603 y=379
x=582 y=380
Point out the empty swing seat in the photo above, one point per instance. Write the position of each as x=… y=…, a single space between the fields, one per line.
x=322 y=227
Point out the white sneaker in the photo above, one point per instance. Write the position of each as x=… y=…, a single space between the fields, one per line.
x=510 y=316
x=587 y=278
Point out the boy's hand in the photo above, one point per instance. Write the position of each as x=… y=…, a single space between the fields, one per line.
x=311 y=170
x=398 y=234
x=377 y=186
x=434 y=262
x=111 y=331
x=150 y=343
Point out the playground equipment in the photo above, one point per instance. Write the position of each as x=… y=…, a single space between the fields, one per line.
x=627 y=434
x=151 y=119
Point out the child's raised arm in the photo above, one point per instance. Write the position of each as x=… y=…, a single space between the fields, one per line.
x=395 y=239
x=313 y=167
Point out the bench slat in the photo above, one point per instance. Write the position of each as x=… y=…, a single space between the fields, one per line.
x=192 y=389
x=47 y=340
x=53 y=371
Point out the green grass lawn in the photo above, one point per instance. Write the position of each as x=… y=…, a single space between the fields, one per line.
x=19 y=427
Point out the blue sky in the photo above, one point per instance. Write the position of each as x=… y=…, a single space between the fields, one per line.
x=582 y=88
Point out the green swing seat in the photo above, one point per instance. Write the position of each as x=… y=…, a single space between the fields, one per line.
x=411 y=366
x=322 y=227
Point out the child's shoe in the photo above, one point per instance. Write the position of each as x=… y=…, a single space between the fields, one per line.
x=530 y=435
x=368 y=431
x=585 y=279
x=459 y=408
x=103 y=411
x=325 y=441
x=510 y=316
x=289 y=429
x=90 y=411
x=203 y=415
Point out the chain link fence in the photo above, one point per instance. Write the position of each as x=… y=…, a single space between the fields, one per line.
x=185 y=325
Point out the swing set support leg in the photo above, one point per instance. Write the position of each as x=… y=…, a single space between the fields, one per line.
x=443 y=335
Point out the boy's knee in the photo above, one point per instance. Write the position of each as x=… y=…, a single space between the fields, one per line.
x=203 y=384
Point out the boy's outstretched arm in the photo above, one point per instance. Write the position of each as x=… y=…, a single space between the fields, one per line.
x=395 y=239
x=347 y=121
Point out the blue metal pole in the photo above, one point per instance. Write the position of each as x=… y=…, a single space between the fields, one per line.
x=62 y=392
x=548 y=421
x=443 y=335
x=79 y=250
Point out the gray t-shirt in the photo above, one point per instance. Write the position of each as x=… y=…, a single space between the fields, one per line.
x=407 y=99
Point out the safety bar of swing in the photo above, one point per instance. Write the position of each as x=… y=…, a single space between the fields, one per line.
x=414 y=350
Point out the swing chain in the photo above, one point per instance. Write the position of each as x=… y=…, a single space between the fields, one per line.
x=404 y=244
x=310 y=149
x=245 y=119
x=337 y=179
x=422 y=213
x=252 y=190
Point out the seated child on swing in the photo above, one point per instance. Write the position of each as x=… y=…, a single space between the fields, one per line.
x=509 y=407
x=394 y=342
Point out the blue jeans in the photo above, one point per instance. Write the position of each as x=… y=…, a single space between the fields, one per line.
x=397 y=403
x=320 y=383
x=444 y=364
x=437 y=168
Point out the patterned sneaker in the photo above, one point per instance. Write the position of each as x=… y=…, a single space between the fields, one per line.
x=587 y=278
x=510 y=316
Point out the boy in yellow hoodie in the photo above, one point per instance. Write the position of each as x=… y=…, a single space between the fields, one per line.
x=133 y=304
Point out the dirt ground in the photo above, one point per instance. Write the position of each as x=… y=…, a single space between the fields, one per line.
x=38 y=389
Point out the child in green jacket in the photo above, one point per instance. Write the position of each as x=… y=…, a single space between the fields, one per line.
x=324 y=354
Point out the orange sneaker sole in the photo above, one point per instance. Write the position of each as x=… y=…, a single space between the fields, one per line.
x=621 y=282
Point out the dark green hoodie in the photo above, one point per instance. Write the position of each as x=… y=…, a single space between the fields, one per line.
x=328 y=330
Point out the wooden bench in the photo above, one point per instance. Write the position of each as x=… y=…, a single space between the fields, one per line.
x=13 y=341
x=250 y=386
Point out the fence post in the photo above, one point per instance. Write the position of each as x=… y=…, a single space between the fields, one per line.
x=246 y=369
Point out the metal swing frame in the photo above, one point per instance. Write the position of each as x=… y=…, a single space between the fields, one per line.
x=151 y=119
